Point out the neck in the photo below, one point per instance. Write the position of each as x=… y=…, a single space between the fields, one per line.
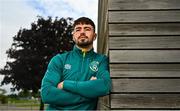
x=86 y=49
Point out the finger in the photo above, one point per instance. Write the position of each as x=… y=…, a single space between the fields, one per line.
x=93 y=78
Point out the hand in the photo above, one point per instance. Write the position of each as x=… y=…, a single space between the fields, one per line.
x=60 y=85
x=93 y=78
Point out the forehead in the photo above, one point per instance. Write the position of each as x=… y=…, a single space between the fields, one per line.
x=82 y=26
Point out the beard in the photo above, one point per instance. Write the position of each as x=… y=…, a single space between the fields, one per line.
x=84 y=42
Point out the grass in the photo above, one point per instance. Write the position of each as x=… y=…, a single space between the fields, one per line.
x=23 y=102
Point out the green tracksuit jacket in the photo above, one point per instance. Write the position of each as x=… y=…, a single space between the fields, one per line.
x=75 y=68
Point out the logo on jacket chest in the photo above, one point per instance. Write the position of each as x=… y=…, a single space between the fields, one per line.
x=94 y=66
x=67 y=66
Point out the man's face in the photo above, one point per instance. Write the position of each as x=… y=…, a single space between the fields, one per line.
x=84 y=35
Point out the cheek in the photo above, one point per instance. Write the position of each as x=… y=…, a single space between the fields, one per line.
x=75 y=36
x=92 y=36
x=89 y=34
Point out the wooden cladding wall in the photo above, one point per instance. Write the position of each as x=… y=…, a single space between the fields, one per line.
x=144 y=52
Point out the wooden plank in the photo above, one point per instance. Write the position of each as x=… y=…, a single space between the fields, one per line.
x=167 y=42
x=144 y=29
x=102 y=27
x=145 y=101
x=143 y=4
x=105 y=101
x=144 y=56
x=102 y=107
x=145 y=70
x=144 y=16
x=146 y=85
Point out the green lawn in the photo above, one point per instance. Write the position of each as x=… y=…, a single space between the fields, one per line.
x=23 y=102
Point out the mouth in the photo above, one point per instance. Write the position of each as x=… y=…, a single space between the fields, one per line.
x=83 y=37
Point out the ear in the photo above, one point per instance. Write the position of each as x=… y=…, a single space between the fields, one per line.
x=95 y=35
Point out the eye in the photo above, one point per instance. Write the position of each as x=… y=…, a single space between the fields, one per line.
x=87 y=29
x=77 y=30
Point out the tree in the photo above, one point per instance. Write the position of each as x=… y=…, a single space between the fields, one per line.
x=3 y=97
x=33 y=48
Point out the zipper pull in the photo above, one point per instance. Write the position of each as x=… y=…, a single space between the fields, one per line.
x=84 y=52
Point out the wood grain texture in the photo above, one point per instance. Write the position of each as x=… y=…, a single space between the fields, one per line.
x=105 y=100
x=144 y=53
x=145 y=101
x=145 y=70
x=143 y=4
x=102 y=41
x=103 y=103
x=144 y=16
x=146 y=85
x=155 y=42
x=144 y=29
x=144 y=56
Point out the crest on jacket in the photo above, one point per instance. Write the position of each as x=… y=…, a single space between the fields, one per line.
x=94 y=66
x=67 y=66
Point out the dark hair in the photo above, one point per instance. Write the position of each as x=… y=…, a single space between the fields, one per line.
x=84 y=20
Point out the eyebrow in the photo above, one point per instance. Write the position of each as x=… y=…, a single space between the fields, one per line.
x=83 y=27
x=88 y=27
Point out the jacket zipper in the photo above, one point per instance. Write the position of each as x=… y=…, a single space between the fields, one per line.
x=82 y=66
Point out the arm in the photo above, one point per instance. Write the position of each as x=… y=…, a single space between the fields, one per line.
x=92 y=88
x=50 y=93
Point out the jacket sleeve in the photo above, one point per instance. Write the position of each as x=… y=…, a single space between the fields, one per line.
x=50 y=94
x=92 y=88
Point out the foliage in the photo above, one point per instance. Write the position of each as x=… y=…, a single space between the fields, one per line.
x=33 y=48
x=3 y=98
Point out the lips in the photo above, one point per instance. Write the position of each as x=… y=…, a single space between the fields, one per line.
x=83 y=37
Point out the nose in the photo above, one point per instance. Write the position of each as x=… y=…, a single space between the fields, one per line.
x=82 y=32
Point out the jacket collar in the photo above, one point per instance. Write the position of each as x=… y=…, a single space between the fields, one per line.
x=80 y=52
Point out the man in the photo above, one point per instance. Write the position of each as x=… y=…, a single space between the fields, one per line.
x=74 y=80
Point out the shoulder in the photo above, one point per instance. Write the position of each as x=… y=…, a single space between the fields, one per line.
x=60 y=57
x=101 y=56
